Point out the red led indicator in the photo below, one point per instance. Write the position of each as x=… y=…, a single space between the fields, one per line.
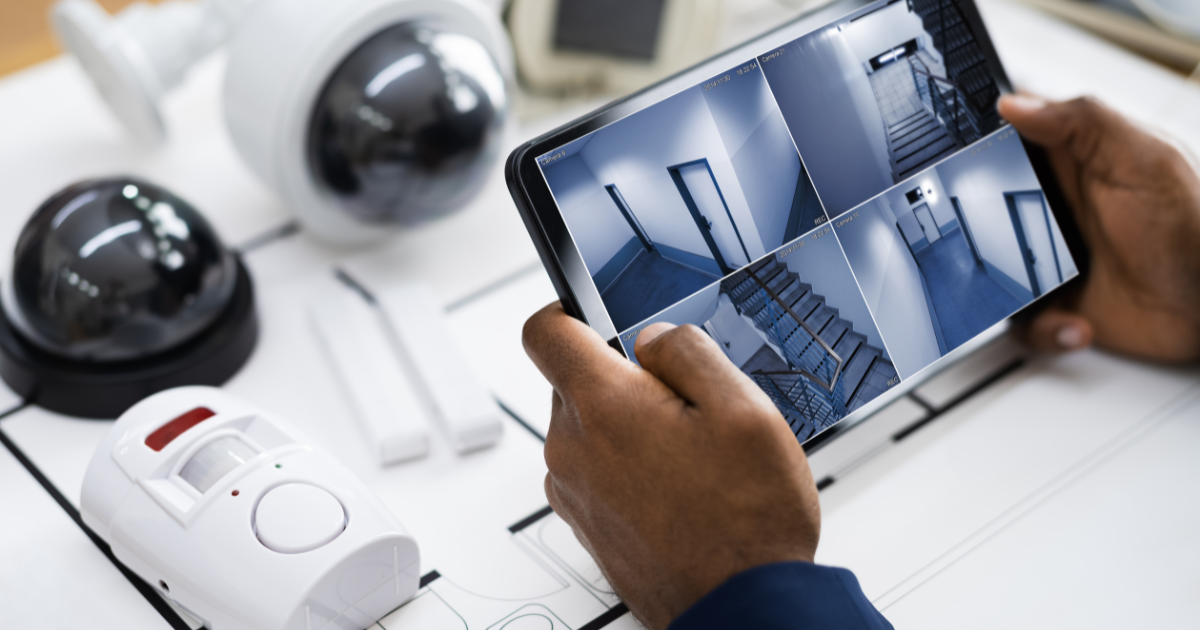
x=167 y=433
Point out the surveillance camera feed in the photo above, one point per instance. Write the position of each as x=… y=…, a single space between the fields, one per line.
x=837 y=214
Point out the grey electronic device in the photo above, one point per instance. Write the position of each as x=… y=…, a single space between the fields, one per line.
x=608 y=45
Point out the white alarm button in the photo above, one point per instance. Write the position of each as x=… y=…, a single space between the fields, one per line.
x=298 y=517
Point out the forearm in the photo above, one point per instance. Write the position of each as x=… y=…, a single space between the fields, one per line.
x=785 y=595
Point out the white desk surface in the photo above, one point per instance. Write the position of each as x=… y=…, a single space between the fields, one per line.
x=1061 y=496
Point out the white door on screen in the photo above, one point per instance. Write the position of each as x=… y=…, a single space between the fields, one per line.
x=911 y=230
x=712 y=208
x=925 y=217
x=1031 y=211
x=733 y=333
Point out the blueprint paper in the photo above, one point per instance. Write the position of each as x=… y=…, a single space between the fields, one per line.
x=549 y=583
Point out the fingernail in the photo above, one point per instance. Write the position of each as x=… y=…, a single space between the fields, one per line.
x=1069 y=337
x=1024 y=103
x=651 y=332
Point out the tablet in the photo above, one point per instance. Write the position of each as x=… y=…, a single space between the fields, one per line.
x=837 y=203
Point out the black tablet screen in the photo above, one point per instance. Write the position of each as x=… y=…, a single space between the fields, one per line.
x=837 y=213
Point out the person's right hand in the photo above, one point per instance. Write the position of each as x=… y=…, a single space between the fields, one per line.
x=675 y=475
x=1137 y=202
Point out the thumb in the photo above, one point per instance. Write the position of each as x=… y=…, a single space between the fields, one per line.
x=1090 y=132
x=689 y=362
x=1055 y=330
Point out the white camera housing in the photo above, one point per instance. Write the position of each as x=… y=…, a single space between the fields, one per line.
x=282 y=54
x=140 y=54
x=232 y=515
x=280 y=60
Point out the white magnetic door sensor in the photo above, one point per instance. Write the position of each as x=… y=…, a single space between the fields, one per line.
x=457 y=398
x=239 y=521
x=402 y=371
x=379 y=389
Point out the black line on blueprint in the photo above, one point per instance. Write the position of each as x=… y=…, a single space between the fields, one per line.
x=172 y=618
x=531 y=519
x=278 y=233
x=921 y=402
x=996 y=376
x=609 y=616
x=528 y=427
x=430 y=593
x=493 y=287
x=933 y=413
x=428 y=578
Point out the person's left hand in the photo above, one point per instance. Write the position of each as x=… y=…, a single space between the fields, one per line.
x=676 y=475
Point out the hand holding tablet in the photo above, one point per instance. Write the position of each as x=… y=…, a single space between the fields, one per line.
x=900 y=257
x=1137 y=201
x=838 y=205
x=647 y=465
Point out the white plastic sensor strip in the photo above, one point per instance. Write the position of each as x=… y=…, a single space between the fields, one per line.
x=381 y=393
x=457 y=397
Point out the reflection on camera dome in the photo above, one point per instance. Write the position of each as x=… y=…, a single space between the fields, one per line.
x=116 y=269
x=408 y=125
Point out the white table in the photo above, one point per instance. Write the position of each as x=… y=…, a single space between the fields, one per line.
x=971 y=521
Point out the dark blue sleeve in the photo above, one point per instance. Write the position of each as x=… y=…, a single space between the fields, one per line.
x=786 y=595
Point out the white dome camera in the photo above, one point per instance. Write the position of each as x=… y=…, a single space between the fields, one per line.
x=364 y=115
x=369 y=113
x=232 y=515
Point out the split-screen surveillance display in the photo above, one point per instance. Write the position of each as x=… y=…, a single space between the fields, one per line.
x=837 y=214
x=674 y=198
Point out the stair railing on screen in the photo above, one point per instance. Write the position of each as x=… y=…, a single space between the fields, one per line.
x=956 y=112
x=812 y=387
x=794 y=392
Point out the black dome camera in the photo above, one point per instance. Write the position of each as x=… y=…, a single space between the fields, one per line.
x=119 y=289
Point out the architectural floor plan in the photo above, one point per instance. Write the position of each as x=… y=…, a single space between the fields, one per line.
x=1099 y=511
x=560 y=589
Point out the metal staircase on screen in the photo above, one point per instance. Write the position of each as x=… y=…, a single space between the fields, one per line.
x=966 y=65
x=947 y=101
x=831 y=370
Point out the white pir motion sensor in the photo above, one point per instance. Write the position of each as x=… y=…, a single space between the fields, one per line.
x=237 y=519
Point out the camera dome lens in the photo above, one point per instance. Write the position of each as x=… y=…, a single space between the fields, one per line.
x=116 y=269
x=407 y=126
